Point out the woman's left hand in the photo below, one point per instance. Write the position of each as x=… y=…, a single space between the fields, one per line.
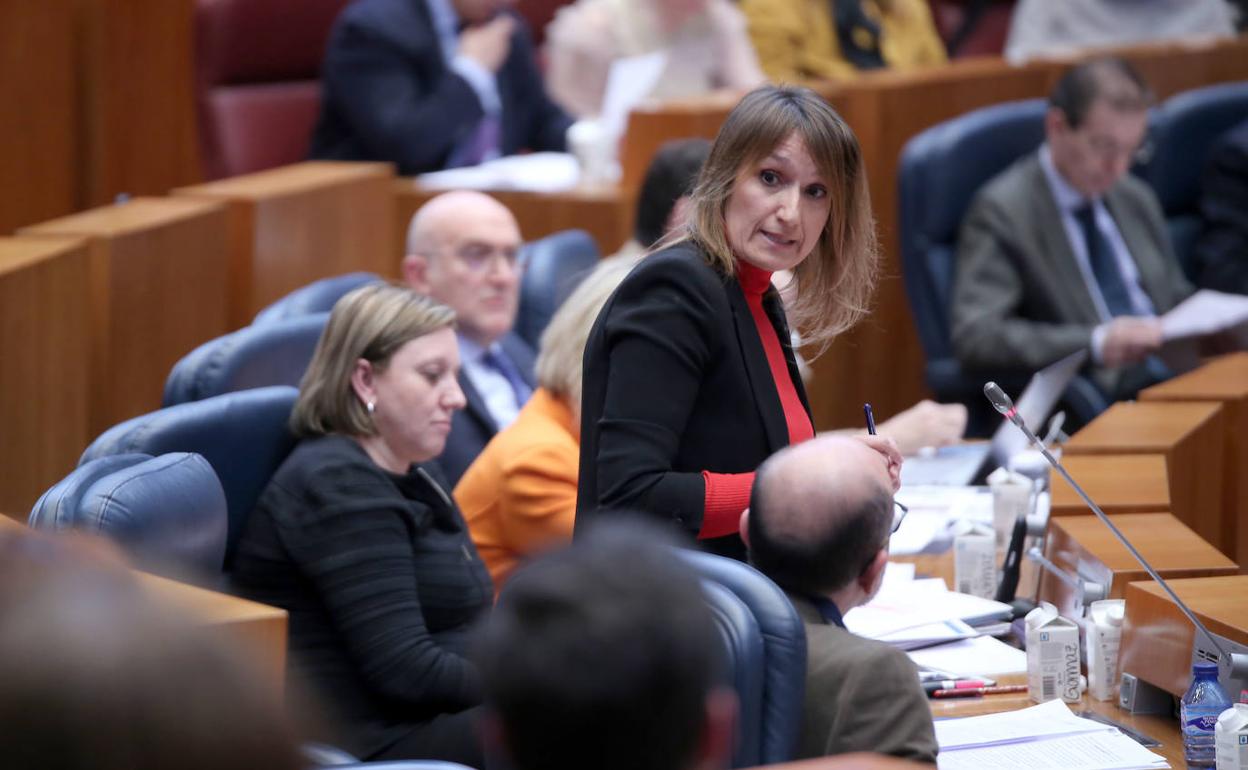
x=887 y=447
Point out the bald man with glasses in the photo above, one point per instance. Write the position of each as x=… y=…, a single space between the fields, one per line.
x=820 y=518
x=1065 y=250
x=463 y=249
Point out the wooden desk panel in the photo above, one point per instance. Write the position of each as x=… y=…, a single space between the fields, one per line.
x=39 y=162
x=1157 y=638
x=1083 y=545
x=138 y=133
x=157 y=290
x=293 y=225
x=1224 y=380
x=653 y=124
x=1117 y=483
x=44 y=364
x=605 y=212
x=1190 y=436
x=257 y=630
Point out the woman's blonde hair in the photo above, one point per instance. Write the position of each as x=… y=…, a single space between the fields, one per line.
x=371 y=322
x=562 y=350
x=835 y=282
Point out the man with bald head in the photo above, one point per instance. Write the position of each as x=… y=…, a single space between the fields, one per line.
x=463 y=250
x=820 y=516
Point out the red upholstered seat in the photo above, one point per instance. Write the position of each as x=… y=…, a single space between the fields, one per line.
x=987 y=33
x=257 y=73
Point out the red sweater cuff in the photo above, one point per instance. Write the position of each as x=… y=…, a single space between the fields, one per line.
x=727 y=497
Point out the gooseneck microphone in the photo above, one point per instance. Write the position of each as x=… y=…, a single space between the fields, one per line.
x=1236 y=663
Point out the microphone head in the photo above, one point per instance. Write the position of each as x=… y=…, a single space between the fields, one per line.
x=1000 y=401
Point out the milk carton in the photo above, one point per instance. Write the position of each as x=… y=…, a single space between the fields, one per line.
x=974 y=563
x=1104 y=635
x=1052 y=655
x=1231 y=738
x=1011 y=498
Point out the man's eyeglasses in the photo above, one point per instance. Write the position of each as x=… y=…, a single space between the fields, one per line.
x=480 y=257
x=1107 y=148
x=899 y=515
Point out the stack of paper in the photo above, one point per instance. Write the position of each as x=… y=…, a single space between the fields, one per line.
x=903 y=606
x=980 y=656
x=535 y=172
x=1042 y=737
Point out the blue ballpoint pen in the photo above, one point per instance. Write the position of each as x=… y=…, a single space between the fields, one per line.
x=866 y=409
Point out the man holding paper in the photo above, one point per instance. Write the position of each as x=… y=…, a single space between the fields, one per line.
x=819 y=521
x=1065 y=251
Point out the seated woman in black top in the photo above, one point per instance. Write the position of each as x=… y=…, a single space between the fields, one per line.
x=363 y=547
x=689 y=378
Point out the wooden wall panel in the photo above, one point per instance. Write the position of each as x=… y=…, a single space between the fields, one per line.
x=136 y=69
x=38 y=151
x=293 y=225
x=157 y=290
x=44 y=365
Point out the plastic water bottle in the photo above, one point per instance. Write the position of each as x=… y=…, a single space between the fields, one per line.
x=1203 y=702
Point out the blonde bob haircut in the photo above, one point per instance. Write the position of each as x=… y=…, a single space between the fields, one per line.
x=835 y=282
x=370 y=323
x=562 y=349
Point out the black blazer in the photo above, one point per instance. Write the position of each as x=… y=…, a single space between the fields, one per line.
x=676 y=382
x=388 y=95
x=472 y=427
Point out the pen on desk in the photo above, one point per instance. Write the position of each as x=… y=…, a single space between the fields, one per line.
x=973 y=692
x=866 y=410
x=956 y=684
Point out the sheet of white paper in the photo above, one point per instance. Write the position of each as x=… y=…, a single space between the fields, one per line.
x=919 y=603
x=1205 y=312
x=933 y=633
x=1050 y=718
x=981 y=656
x=1105 y=750
x=897 y=573
x=629 y=81
x=535 y=172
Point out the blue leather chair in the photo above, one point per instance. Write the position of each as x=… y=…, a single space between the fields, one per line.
x=940 y=172
x=779 y=722
x=275 y=353
x=168 y=512
x=407 y=764
x=554 y=265
x=316 y=297
x=1187 y=127
x=745 y=659
x=243 y=436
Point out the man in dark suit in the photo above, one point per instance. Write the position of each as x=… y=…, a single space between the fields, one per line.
x=1221 y=251
x=1065 y=251
x=462 y=250
x=818 y=524
x=432 y=84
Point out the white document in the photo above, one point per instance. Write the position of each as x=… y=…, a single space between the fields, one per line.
x=920 y=603
x=897 y=573
x=980 y=656
x=1205 y=312
x=1043 y=737
x=630 y=81
x=933 y=633
x=535 y=172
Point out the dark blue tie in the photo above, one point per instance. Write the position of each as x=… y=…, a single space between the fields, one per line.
x=503 y=365
x=1104 y=265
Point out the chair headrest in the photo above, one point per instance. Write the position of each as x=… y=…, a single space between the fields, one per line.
x=554 y=266
x=243 y=436
x=316 y=297
x=1188 y=126
x=277 y=353
x=168 y=512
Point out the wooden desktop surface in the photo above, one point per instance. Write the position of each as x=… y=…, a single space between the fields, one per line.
x=157 y=284
x=45 y=365
x=1190 y=437
x=293 y=225
x=1224 y=380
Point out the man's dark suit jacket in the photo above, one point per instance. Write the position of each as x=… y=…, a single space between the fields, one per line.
x=676 y=382
x=388 y=95
x=1019 y=299
x=472 y=427
x=1221 y=252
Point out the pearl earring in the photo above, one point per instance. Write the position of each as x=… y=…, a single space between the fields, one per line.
x=370 y=406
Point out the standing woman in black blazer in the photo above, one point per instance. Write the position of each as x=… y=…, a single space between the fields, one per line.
x=364 y=547
x=690 y=381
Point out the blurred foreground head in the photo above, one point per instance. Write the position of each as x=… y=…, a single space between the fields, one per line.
x=93 y=674
x=605 y=655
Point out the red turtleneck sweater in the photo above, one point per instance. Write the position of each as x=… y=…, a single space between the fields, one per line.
x=728 y=494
